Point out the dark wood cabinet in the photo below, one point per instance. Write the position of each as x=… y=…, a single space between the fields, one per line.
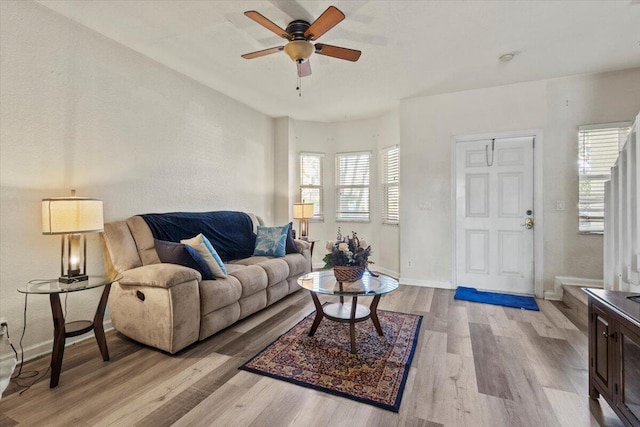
x=614 y=352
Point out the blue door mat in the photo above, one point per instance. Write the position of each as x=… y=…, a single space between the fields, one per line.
x=495 y=298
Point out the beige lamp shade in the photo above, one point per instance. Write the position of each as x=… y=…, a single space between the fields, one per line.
x=302 y=210
x=68 y=215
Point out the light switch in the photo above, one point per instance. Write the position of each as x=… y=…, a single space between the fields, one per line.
x=559 y=205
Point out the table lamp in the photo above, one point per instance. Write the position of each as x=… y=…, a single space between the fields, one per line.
x=72 y=217
x=303 y=211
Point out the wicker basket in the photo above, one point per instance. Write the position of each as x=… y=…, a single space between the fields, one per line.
x=348 y=274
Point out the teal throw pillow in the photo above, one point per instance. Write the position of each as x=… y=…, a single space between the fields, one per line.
x=271 y=241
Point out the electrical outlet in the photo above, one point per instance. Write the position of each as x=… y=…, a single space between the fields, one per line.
x=409 y=264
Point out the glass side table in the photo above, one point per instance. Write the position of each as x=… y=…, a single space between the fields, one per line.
x=63 y=330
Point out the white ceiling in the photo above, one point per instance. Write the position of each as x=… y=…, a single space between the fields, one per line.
x=409 y=48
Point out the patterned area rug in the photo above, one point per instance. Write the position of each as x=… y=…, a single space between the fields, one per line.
x=376 y=375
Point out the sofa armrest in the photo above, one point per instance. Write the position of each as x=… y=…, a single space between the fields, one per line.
x=301 y=245
x=163 y=275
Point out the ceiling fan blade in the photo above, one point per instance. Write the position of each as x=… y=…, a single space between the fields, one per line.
x=338 y=52
x=263 y=52
x=304 y=68
x=260 y=19
x=329 y=19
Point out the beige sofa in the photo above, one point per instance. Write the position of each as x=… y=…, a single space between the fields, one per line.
x=169 y=306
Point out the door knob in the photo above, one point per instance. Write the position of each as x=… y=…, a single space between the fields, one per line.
x=528 y=223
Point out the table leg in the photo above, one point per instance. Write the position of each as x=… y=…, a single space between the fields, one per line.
x=374 y=314
x=319 y=314
x=352 y=324
x=98 y=325
x=58 y=339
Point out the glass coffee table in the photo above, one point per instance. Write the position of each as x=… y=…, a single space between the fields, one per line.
x=324 y=282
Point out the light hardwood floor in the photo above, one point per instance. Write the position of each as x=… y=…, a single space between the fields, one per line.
x=475 y=365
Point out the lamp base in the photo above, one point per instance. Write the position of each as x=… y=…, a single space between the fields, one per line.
x=73 y=279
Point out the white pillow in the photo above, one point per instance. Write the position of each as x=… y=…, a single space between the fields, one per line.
x=202 y=245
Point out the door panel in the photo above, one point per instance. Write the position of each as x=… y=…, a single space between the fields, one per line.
x=509 y=195
x=477 y=252
x=477 y=196
x=510 y=253
x=601 y=368
x=494 y=251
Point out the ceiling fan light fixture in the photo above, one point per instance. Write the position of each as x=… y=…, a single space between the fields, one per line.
x=299 y=50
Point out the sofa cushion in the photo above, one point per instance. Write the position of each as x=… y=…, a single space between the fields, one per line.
x=144 y=240
x=162 y=275
x=122 y=250
x=215 y=294
x=202 y=245
x=276 y=269
x=298 y=264
x=181 y=254
x=252 y=277
x=271 y=241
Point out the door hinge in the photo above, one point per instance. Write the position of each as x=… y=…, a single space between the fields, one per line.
x=616 y=387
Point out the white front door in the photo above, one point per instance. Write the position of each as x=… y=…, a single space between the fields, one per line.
x=494 y=203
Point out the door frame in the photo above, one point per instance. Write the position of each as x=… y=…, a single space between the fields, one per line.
x=538 y=205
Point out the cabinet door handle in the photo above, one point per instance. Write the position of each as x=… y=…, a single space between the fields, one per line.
x=606 y=335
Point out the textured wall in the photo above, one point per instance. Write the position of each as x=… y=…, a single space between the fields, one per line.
x=602 y=98
x=80 y=111
x=557 y=107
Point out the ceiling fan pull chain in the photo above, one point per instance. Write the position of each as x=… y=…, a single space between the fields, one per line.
x=486 y=152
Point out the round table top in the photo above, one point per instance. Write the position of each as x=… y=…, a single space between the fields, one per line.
x=324 y=282
x=52 y=286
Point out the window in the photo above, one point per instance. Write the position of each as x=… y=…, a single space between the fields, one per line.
x=391 y=185
x=311 y=189
x=598 y=150
x=352 y=186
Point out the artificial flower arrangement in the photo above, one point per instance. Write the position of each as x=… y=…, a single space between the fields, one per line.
x=348 y=255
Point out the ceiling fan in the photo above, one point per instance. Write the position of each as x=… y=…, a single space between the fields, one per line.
x=299 y=33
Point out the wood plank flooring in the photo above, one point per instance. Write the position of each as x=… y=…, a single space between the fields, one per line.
x=475 y=365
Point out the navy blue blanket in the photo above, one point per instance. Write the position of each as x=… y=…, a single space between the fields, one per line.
x=230 y=233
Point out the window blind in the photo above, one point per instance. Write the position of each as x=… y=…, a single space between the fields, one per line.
x=311 y=182
x=352 y=186
x=391 y=185
x=598 y=150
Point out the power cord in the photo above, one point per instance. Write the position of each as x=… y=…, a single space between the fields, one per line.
x=27 y=374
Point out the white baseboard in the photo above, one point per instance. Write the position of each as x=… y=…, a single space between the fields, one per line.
x=425 y=283
x=45 y=347
x=386 y=272
x=559 y=281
